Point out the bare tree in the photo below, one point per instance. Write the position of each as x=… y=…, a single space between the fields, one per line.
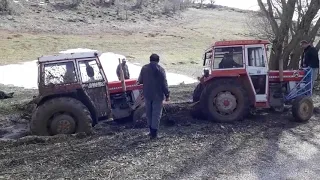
x=201 y=3
x=259 y=26
x=138 y=4
x=4 y=7
x=286 y=32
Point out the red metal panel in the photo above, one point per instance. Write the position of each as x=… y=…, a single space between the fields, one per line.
x=289 y=75
x=240 y=42
x=131 y=84
x=228 y=72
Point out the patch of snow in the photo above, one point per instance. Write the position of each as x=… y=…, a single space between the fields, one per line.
x=26 y=74
x=21 y=75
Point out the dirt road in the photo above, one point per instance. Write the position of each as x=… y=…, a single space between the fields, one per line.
x=267 y=146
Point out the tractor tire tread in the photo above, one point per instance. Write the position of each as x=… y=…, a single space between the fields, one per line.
x=295 y=108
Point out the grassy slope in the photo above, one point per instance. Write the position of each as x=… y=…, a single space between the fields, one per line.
x=180 y=45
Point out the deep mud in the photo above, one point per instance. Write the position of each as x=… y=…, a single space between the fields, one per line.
x=266 y=146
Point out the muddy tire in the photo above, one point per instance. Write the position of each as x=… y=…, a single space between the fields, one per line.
x=197 y=93
x=302 y=109
x=225 y=101
x=139 y=117
x=196 y=111
x=61 y=115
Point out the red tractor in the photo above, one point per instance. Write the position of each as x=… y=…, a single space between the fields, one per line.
x=236 y=79
x=74 y=94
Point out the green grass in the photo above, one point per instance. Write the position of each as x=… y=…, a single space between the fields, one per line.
x=180 y=47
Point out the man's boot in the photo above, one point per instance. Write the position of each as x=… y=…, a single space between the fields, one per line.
x=154 y=134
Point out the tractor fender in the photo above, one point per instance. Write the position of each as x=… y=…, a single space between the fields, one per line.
x=242 y=79
x=76 y=95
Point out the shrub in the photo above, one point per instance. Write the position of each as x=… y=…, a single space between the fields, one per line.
x=5 y=7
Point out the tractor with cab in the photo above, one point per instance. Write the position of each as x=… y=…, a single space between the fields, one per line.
x=236 y=80
x=74 y=95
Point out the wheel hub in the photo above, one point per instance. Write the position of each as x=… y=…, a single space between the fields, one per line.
x=63 y=124
x=226 y=102
x=304 y=109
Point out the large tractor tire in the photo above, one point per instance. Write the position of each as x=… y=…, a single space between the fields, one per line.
x=225 y=101
x=302 y=109
x=61 y=115
x=197 y=93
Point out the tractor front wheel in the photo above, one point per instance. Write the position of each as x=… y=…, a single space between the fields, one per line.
x=225 y=100
x=61 y=115
x=302 y=109
x=197 y=92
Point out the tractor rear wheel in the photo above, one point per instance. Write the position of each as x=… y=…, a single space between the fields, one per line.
x=225 y=100
x=302 y=109
x=61 y=115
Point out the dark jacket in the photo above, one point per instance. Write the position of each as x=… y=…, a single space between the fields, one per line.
x=154 y=80
x=310 y=57
x=228 y=62
x=125 y=69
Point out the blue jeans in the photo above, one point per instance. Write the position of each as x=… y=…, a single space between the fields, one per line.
x=154 y=113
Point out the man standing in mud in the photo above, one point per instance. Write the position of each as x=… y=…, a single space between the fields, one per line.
x=310 y=58
x=155 y=89
x=125 y=70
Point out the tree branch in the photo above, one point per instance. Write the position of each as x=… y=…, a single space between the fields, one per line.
x=318 y=46
x=276 y=8
x=269 y=15
x=314 y=30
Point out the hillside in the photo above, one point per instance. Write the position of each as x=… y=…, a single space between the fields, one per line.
x=180 y=38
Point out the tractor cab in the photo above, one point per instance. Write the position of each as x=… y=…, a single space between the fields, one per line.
x=247 y=58
x=236 y=78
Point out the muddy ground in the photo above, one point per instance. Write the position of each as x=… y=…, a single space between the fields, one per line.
x=266 y=146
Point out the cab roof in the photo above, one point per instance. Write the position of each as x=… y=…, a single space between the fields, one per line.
x=68 y=56
x=240 y=42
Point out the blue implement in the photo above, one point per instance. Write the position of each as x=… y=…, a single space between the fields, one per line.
x=303 y=88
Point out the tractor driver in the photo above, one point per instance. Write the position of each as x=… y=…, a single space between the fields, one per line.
x=228 y=62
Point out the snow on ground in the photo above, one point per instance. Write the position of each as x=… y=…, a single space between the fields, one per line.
x=26 y=74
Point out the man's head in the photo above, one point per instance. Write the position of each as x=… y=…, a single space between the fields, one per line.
x=154 y=58
x=304 y=44
x=124 y=61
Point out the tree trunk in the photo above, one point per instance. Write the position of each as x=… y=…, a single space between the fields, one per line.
x=275 y=56
x=296 y=55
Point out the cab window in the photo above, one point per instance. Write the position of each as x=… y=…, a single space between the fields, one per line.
x=90 y=71
x=59 y=73
x=228 y=57
x=256 y=57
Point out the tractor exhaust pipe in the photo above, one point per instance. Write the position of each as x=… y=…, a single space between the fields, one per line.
x=124 y=88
